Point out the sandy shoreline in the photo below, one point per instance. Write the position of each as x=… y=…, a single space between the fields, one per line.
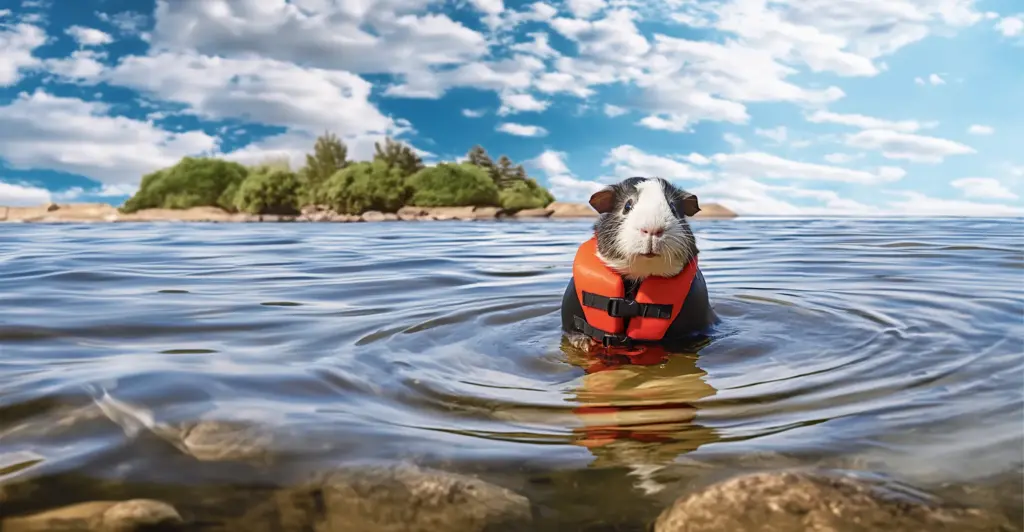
x=103 y=212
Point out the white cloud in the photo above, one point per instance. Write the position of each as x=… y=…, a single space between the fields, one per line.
x=14 y=195
x=17 y=45
x=561 y=182
x=978 y=129
x=628 y=161
x=4 y=13
x=40 y=130
x=842 y=158
x=538 y=45
x=473 y=113
x=512 y=103
x=934 y=79
x=127 y=22
x=918 y=204
x=89 y=36
x=522 y=130
x=1011 y=26
x=760 y=165
x=907 y=146
x=614 y=110
x=733 y=139
x=778 y=134
x=862 y=121
x=983 y=187
x=585 y=8
x=491 y=7
x=260 y=90
x=80 y=65
x=378 y=36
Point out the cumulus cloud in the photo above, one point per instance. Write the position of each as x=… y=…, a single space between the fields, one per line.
x=766 y=166
x=378 y=36
x=89 y=36
x=1011 y=26
x=561 y=181
x=256 y=89
x=521 y=130
x=983 y=187
x=977 y=129
x=513 y=103
x=473 y=113
x=17 y=44
x=15 y=195
x=629 y=161
x=932 y=79
x=40 y=130
x=907 y=146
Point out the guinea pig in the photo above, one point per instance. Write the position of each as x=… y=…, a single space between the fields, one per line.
x=637 y=277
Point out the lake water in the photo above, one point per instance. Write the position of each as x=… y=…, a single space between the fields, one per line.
x=891 y=346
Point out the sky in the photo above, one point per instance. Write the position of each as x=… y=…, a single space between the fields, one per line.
x=783 y=107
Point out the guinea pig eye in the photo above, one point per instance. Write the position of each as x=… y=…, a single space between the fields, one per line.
x=627 y=207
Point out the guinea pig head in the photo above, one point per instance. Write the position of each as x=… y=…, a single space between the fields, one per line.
x=642 y=230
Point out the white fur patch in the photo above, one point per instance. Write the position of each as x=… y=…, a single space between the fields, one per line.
x=650 y=212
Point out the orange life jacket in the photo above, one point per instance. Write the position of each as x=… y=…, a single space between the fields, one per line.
x=601 y=292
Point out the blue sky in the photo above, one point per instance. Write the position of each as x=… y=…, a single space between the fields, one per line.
x=776 y=108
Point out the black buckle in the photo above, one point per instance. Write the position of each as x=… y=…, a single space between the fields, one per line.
x=622 y=308
x=617 y=340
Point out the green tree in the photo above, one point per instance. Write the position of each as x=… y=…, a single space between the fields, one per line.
x=329 y=155
x=525 y=194
x=192 y=182
x=269 y=190
x=504 y=172
x=478 y=155
x=367 y=186
x=397 y=154
x=453 y=185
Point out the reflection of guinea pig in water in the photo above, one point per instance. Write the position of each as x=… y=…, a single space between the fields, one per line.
x=637 y=281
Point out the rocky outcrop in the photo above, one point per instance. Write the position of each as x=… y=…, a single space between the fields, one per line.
x=791 y=500
x=392 y=498
x=99 y=516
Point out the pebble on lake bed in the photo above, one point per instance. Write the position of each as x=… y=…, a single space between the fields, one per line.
x=393 y=498
x=99 y=516
x=788 y=501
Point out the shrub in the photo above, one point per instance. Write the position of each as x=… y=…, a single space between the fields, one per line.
x=193 y=182
x=367 y=186
x=329 y=156
x=269 y=191
x=525 y=194
x=453 y=185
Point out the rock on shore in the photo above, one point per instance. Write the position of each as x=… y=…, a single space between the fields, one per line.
x=102 y=212
x=823 y=502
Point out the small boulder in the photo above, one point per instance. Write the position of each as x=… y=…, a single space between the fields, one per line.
x=390 y=217
x=560 y=209
x=210 y=440
x=373 y=216
x=100 y=516
x=50 y=207
x=398 y=498
x=789 y=500
x=410 y=211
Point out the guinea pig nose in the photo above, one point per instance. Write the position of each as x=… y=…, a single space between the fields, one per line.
x=653 y=231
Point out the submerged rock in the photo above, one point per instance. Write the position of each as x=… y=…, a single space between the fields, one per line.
x=227 y=441
x=99 y=516
x=789 y=501
x=392 y=498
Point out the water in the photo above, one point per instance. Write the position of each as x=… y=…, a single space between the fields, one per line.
x=879 y=345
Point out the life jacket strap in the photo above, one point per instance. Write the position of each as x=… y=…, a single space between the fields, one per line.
x=606 y=339
x=618 y=307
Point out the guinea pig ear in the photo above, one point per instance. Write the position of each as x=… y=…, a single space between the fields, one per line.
x=689 y=203
x=603 y=200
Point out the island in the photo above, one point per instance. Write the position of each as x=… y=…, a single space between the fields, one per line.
x=394 y=185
